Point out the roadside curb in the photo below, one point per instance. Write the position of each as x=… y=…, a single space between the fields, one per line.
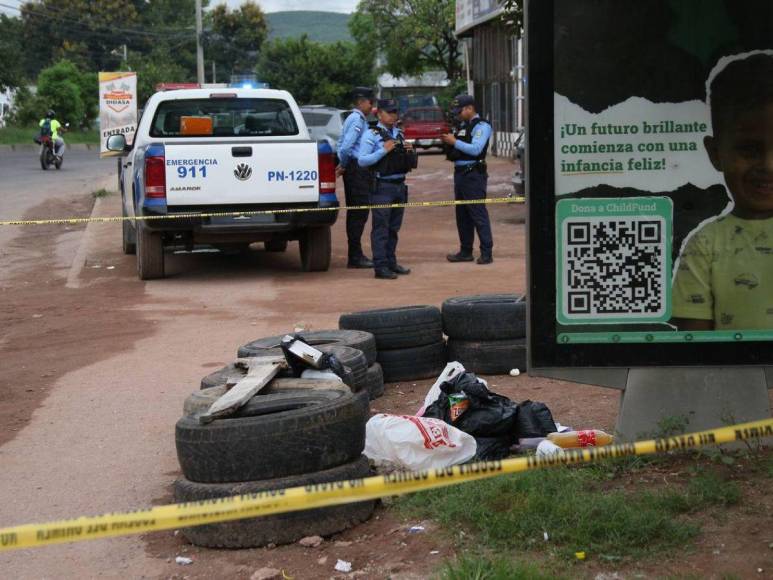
x=31 y=147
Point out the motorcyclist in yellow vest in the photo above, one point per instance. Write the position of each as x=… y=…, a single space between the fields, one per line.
x=49 y=125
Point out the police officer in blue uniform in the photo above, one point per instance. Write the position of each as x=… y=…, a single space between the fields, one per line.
x=467 y=148
x=356 y=178
x=389 y=158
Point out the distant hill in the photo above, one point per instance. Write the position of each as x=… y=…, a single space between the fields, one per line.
x=319 y=26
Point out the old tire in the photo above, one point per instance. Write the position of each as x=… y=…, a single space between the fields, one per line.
x=316 y=248
x=129 y=235
x=280 y=528
x=150 y=253
x=200 y=401
x=485 y=317
x=317 y=430
x=397 y=328
x=358 y=339
x=375 y=381
x=419 y=362
x=276 y=245
x=491 y=357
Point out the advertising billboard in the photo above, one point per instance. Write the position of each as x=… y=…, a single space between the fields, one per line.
x=117 y=108
x=651 y=182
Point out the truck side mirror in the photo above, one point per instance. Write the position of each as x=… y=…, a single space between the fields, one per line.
x=116 y=143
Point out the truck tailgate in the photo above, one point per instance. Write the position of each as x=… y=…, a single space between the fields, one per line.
x=241 y=173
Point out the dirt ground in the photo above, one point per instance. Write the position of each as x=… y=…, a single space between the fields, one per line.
x=96 y=364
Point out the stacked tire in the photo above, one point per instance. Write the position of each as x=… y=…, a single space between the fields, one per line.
x=296 y=433
x=486 y=332
x=409 y=340
x=354 y=348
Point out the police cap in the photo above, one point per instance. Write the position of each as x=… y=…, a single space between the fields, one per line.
x=388 y=105
x=460 y=102
x=362 y=93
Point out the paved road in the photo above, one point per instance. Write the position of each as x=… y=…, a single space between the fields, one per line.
x=23 y=184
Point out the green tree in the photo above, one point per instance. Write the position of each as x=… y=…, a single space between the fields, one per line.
x=235 y=38
x=413 y=35
x=513 y=16
x=10 y=48
x=156 y=67
x=70 y=92
x=91 y=33
x=313 y=72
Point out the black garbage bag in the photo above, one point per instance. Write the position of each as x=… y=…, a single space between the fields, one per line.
x=488 y=414
x=533 y=420
x=492 y=448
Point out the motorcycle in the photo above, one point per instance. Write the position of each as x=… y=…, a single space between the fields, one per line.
x=47 y=155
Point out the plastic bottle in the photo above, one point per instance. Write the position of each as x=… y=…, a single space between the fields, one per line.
x=590 y=438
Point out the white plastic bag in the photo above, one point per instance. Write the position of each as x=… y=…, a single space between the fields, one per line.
x=452 y=370
x=415 y=443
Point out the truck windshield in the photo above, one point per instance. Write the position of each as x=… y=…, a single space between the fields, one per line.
x=224 y=117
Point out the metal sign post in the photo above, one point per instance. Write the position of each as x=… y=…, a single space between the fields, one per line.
x=650 y=205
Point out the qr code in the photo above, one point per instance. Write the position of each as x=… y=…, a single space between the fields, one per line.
x=614 y=268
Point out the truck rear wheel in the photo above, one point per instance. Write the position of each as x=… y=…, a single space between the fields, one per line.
x=150 y=253
x=315 y=246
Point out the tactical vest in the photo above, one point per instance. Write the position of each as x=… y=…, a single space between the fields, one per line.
x=464 y=134
x=397 y=161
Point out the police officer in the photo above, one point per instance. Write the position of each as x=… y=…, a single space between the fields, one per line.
x=389 y=158
x=467 y=148
x=356 y=179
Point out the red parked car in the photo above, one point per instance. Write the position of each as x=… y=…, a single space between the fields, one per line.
x=424 y=126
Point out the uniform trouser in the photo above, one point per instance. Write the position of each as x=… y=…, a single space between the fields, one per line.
x=386 y=222
x=469 y=185
x=357 y=192
x=59 y=146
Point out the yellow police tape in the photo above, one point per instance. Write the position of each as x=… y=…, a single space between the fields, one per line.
x=193 y=215
x=335 y=493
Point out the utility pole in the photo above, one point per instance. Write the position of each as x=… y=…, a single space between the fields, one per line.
x=214 y=72
x=199 y=48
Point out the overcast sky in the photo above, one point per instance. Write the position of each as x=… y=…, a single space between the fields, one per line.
x=325 y=5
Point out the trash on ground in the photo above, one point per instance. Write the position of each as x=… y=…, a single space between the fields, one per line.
x=302 y=357
x=545 y=536
x=343 y=566
x=589 y=438
x=579 y=555
x=515 y=372
x=547 y=448
x=416 y=529
x=183 y=561
x=416 y=443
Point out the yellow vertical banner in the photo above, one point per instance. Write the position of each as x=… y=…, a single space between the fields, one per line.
x=117 y=108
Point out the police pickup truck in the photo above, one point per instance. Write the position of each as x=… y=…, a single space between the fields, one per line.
x=203 y=151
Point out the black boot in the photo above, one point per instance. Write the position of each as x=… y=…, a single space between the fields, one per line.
x=398 y=269
x=460 y=257
x=485 y=259
x=360 y=263
x=385 y=274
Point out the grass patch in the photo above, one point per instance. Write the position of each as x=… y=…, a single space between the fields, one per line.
x=101 y=193
x=24 y=135
x=576 y=508
x=479 y=568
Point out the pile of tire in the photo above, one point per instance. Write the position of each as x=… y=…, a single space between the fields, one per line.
x=296 y=432
x=486 y=332
x=409 y=340
x=354 y=348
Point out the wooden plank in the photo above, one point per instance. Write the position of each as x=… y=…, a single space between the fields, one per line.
x=260 y=372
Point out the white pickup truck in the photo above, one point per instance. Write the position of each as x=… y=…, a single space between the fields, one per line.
x=204 y=151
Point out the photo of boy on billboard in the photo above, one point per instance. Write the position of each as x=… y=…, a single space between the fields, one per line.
x=724 y=278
